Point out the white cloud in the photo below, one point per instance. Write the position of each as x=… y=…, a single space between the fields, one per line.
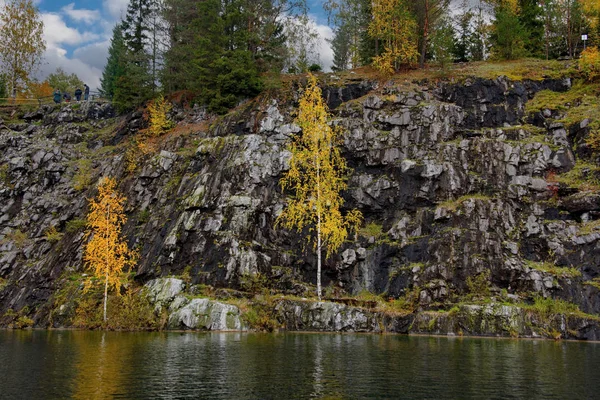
x=57 y=32
x=313 y=37
x=57 y=57
x=116 y=8
x=81 y=15
x=94 y=54
x=89 y=50
x=323 y=47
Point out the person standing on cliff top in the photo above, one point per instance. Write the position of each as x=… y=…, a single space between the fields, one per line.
x=86 y=92
x=57 y=96
x=78 y=94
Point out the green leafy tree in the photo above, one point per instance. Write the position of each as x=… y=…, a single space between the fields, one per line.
x=317 y=176
x=66 y=83
x=21 y=42
x=301 y=43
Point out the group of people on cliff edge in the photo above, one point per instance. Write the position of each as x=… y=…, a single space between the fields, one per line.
x=59 y=97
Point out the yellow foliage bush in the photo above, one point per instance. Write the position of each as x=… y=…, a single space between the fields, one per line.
x=589 y=63
x=130 y=311
x=135 y=153
x=159 y=120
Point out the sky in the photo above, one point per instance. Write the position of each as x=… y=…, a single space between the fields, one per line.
x=78 y=32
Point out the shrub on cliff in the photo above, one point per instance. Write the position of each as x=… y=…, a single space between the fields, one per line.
x=160 y=123
x=589 y=63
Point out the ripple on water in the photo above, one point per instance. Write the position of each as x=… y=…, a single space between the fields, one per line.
x=40 y=364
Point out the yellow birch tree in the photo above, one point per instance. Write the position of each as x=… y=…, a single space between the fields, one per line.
x=317 y=175
x=22 y=43
x=394 y=25
x=592 y=12
x=107 y=254
x=160 y=123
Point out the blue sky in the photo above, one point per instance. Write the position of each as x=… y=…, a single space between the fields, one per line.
x=78 y=32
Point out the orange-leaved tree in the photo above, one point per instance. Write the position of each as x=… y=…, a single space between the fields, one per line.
x=39 y=90
x=107 y=254
x=317 y=175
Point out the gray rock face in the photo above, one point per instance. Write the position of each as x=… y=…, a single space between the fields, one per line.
x=328 y=317
x=162 y=292
x=334 y=317
x=203 y=314
x=198 y=314
x=474 y=320
x=453 y=183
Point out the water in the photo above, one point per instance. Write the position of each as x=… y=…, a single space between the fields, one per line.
x=89 y=365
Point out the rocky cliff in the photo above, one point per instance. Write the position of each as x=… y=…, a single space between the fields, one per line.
x=468 y=198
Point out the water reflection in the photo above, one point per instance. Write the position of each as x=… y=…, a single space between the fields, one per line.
x=67 y=364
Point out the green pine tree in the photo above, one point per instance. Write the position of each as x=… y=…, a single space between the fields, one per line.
x=340 y=44
x=509 y=36
x=530 y=18
x=219 y=49
x=115 y=65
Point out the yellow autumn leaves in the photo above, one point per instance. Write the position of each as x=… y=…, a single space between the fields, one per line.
x=107 y=254
x=158 y=111
x=396 y=28
x=316 y=176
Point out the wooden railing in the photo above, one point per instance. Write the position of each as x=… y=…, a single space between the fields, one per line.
x=11 y=101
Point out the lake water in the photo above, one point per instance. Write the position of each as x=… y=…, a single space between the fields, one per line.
x=89 y=365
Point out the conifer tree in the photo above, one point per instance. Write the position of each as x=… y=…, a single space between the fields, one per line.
x=317 y=177
x=530 y=18
x=442 y=43
x=340 y=44
x=107 y=254
x=351 y=42
x=549 y=16
x=428 y=14
x=219 y=49
x=115 y=65
x=464 y=34
x=3 y=87
x=508 y=36
x=138 y=82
